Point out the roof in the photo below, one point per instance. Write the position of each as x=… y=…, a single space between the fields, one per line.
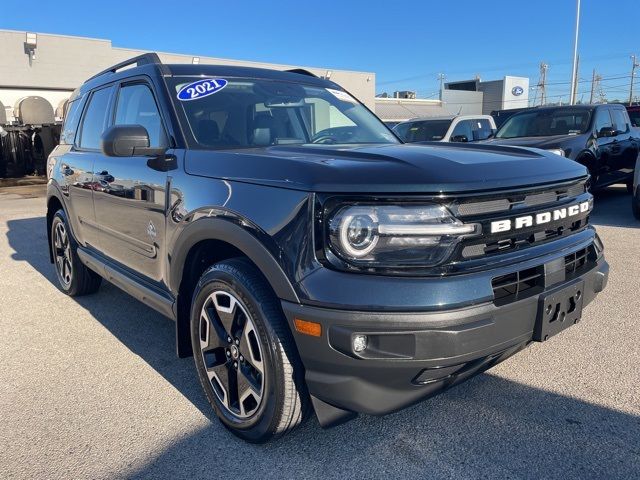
x=147 y=66
x=449 y=117
x=246 y=72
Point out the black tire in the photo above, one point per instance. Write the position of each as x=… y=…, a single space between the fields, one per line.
x=283 y=402
x=74 y=279
x=635 y=204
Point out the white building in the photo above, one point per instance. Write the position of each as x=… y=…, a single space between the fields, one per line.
x=52 y=66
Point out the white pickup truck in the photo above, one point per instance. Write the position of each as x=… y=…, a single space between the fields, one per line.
x=454 y=128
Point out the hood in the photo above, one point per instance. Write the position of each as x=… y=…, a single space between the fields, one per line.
x=405 y=168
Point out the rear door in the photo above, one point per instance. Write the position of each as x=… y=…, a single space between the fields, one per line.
x=77 y=164
x=130 y=204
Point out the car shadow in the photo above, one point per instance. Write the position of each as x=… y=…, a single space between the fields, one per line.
x=612 y=208
x=487 y=427
x=129 y=320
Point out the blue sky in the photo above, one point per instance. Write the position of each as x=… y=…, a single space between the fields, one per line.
x=405 y=43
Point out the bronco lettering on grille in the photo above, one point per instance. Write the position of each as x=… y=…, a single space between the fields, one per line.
x=500 y=226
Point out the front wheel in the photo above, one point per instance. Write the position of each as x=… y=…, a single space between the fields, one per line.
x=244 y=353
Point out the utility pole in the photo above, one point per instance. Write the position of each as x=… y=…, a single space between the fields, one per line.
x=595 y=85
x=542 y=85
x=634 y=64
x=441 y=78
x=574 y=73
x=575 y=82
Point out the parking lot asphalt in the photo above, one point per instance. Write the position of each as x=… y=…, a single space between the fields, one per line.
x=91 y=388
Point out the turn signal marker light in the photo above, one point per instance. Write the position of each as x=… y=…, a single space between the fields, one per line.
x=308 y=328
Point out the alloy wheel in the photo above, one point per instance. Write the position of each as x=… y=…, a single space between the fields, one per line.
x=62 y=253
x=231 y=354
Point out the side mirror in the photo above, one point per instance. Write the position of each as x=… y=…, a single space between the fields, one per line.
x=128 y=141
x=459 y=138
x=607 y=132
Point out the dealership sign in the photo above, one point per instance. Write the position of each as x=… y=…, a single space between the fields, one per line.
x=517 y=90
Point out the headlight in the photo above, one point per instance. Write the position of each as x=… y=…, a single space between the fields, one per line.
x=557 y=151
x=394 y=235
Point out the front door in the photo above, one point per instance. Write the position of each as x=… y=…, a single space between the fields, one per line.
x=606 y=148
x=130 y=203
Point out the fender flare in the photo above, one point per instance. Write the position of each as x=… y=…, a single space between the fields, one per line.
x=212 y=228
x=54 y=192
x=587 y=158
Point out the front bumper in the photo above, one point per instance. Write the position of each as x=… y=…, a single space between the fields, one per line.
x=413 y=355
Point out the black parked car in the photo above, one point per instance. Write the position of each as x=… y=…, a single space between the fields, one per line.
x=598 y=136
x=307 y=257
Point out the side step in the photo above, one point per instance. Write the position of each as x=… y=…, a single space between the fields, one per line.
x=148 y=295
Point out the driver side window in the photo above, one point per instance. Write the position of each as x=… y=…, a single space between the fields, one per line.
x=602 y=120
x=136 y=106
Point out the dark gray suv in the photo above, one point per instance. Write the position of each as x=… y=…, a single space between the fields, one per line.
x=307 y=257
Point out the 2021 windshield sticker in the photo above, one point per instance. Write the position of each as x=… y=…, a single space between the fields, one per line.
x=201 y=88
x=340 y=95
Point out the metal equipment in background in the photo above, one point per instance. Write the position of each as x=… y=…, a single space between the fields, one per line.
x=26 y=142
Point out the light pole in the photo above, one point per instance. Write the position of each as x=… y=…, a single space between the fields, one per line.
x=574 y=72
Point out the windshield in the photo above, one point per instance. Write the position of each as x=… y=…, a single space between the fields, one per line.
x=423 y=130
x=251 y=113
x=546 y=123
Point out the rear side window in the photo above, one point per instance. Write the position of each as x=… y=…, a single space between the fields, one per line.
x=620 y=122
x=71 y=120
x=423 y=131
x=635 y=117
x=464 y=128
x=94 y=120
x=482 y=129
x=136 y=106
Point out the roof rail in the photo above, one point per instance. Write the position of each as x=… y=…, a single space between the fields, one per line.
x=302 y=71
x=144 y=59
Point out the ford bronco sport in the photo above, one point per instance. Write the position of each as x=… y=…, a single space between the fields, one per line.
x=308 y=257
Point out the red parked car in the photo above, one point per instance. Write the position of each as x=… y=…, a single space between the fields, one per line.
x=634 y=115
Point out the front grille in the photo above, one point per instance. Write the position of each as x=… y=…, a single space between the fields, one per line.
x=525 y=283
x=515 y=204
x=521 y=240
x=576 y=261
x=518 y=200
x=517 y=285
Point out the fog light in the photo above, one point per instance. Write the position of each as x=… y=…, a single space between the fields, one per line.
x=359 y=343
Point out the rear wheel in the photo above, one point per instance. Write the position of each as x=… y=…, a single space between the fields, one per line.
x=244 y=353
x=74 y=278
